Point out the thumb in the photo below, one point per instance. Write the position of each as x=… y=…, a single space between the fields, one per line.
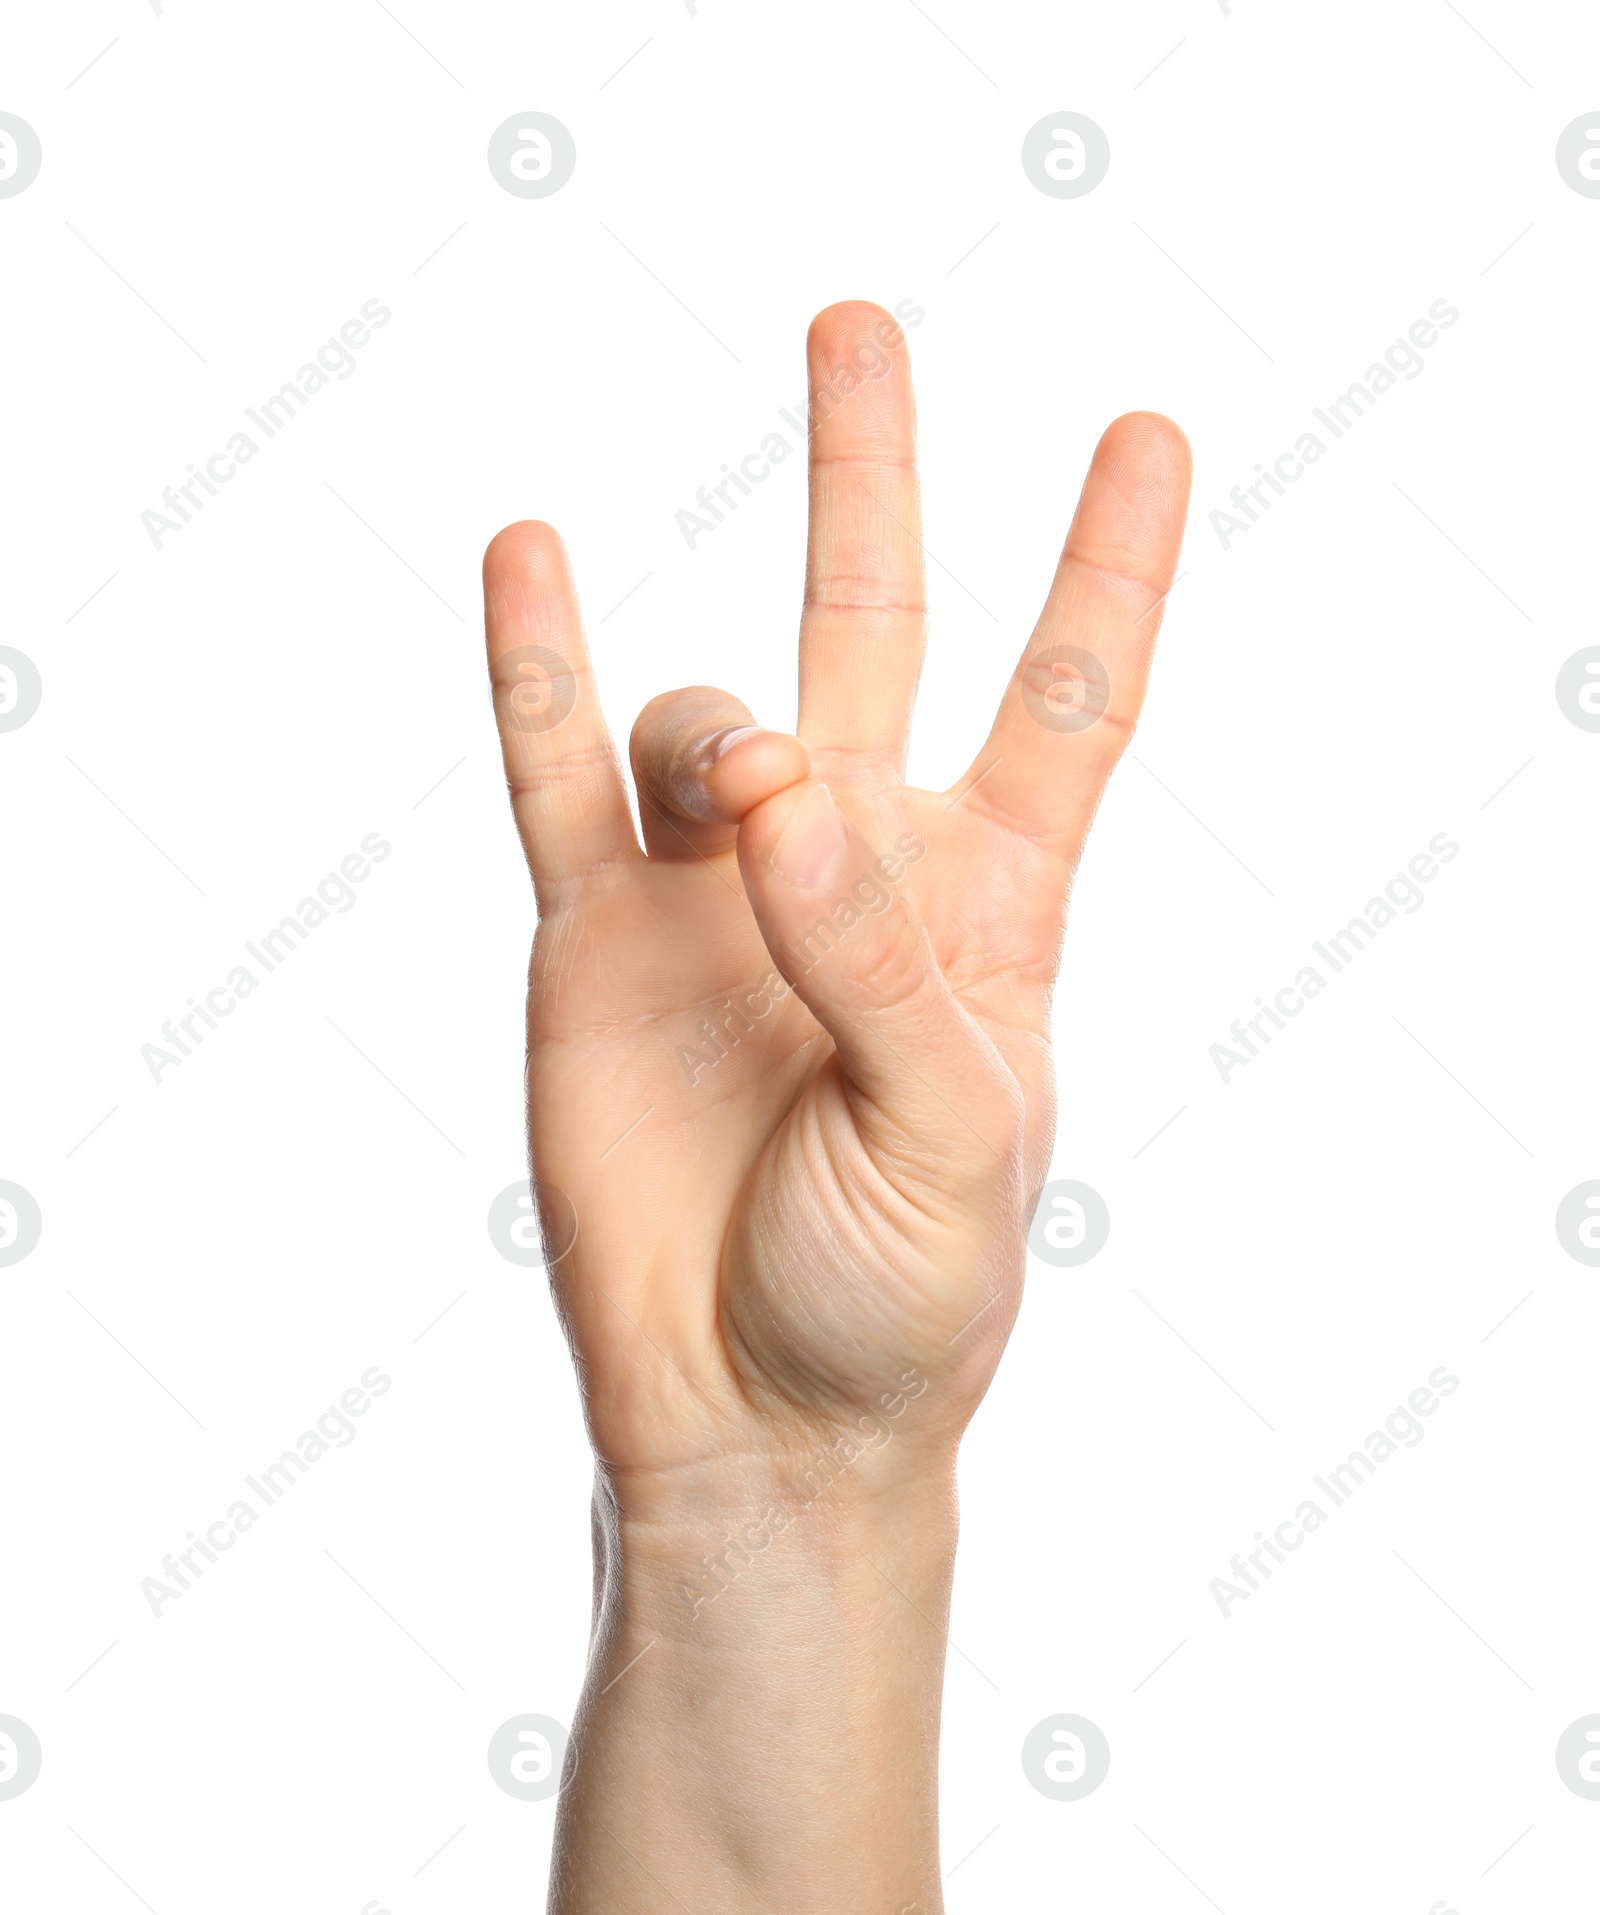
x=842 y=932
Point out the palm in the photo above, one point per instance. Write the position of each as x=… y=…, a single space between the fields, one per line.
x=788 y=1201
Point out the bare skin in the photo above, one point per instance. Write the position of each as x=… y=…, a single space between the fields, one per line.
x=790 y=1078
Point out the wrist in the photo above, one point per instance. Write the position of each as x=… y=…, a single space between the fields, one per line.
x=824 y=1500
x=750 y=1547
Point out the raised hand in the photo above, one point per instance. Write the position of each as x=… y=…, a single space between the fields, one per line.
x=790 y=1091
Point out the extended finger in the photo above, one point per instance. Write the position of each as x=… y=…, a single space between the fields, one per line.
x=566 y=785
x=1073 y=701
x=863 y=630
x=700 y=762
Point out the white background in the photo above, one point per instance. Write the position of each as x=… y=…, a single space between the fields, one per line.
x=1366 y=668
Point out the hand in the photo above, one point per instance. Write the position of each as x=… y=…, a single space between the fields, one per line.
x=791 y=1062
x=789 y=1076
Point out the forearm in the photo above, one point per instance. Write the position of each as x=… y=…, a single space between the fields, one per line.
x=760 y=1725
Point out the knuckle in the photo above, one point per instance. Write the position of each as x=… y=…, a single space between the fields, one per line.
x=533 y=777
x=894 y=973
x=863 y=592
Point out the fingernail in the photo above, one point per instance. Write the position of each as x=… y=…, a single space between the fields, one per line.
x=689 y=783
x=813 y=841
x=722 y=742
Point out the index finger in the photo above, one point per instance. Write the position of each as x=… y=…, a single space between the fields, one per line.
x=1075 y=696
